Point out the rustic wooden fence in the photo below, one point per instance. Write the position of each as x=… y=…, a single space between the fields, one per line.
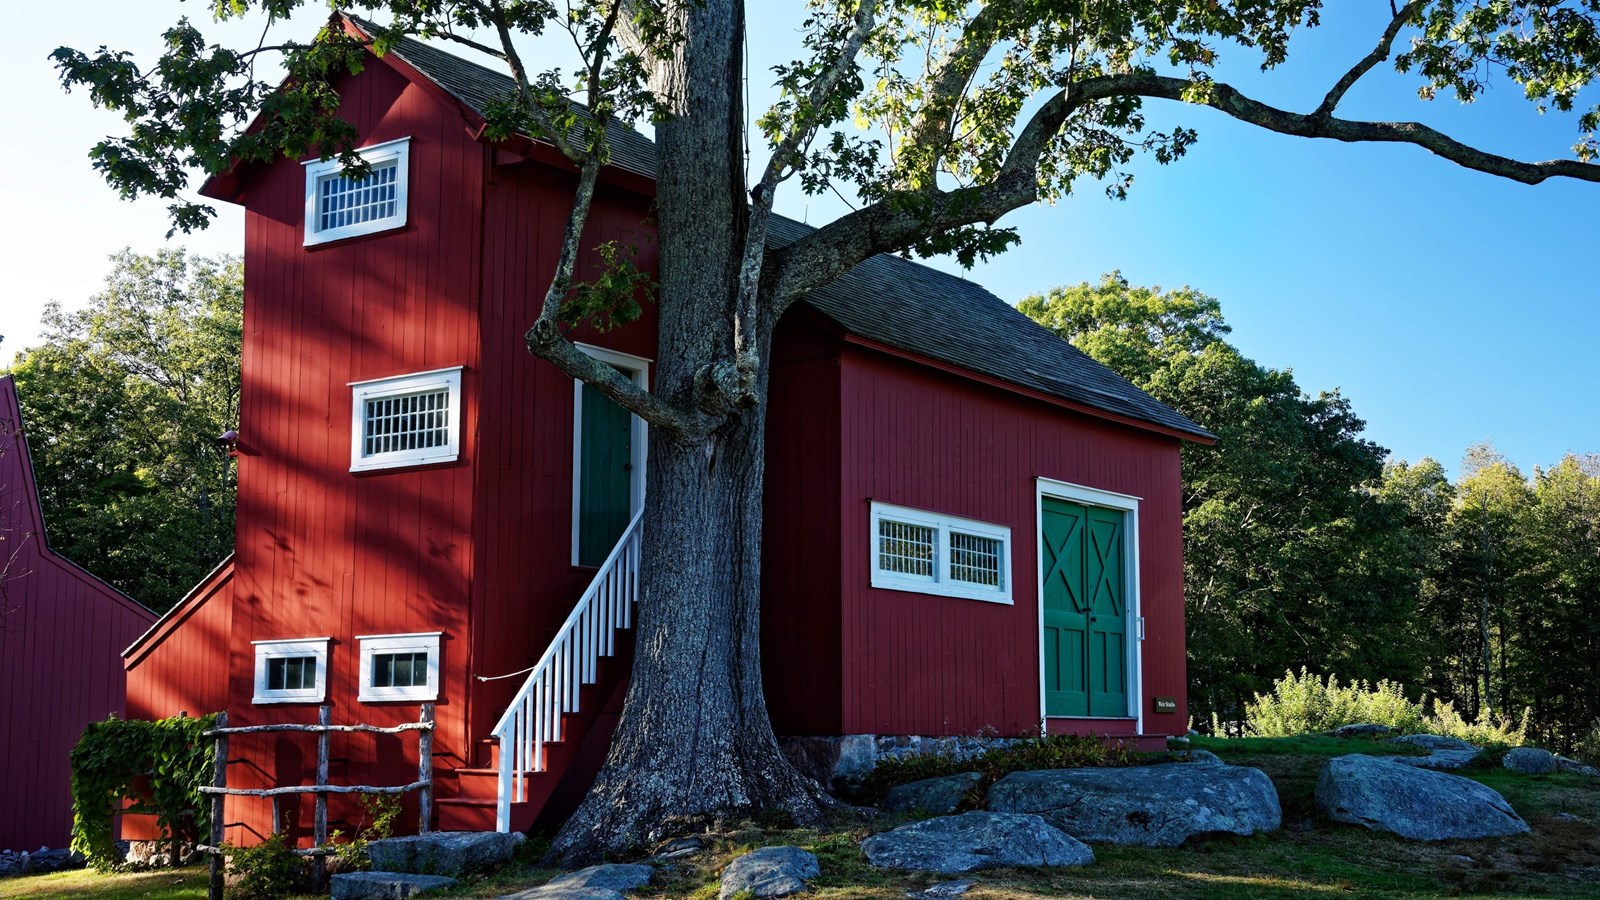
x=220 y=791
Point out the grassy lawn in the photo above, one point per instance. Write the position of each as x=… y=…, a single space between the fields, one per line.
x=1306 y=858
x=180 y=884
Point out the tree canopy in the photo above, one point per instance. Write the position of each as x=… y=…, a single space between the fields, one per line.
x=124 y=400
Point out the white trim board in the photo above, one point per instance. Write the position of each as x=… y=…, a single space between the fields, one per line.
x=638 y=368
x=1129 y=504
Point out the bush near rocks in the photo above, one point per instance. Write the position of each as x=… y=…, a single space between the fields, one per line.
x=1308 y=704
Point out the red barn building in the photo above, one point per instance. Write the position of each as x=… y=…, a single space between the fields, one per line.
x=971 y=525
x=60 y=629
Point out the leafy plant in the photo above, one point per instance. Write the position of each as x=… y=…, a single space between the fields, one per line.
x=266 y=871
x=380 y=812
x=160 y=766
x=1307 y=704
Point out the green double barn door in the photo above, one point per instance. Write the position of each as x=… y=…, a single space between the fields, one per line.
x=1085 y=609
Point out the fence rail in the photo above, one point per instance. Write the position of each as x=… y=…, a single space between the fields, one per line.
x=219 y=791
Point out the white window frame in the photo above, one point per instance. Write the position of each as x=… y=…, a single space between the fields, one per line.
x=291 y=648
x=1134 y=630
x=638 y=368
x=415 y=383
x=941 y=585
x=375 y=644
x=319 y=169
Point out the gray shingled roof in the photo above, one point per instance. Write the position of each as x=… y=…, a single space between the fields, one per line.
x=886 y=299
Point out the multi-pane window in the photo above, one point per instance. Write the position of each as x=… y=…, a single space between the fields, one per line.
x=292 y=670
x=930 y=553
x=400 y=666
x=340 y=205
x=408 y=420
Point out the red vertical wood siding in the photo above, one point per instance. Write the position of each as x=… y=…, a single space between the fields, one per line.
x=60 y=632
x=526 y=583
x=914 y=436
x=800 y=609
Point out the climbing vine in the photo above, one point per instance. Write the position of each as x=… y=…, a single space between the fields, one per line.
x=160 y=766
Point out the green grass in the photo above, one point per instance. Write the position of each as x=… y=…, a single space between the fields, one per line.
x=1306 y=858
x=168 y=884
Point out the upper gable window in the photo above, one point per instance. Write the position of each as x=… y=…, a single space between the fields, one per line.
x=929 y=553
x=338 y=206
x=410 y=420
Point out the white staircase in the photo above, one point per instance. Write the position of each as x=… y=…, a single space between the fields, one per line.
x=554 y=685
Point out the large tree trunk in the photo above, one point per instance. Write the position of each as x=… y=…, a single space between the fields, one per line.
x=694 y=743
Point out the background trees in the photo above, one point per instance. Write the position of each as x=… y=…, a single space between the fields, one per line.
x=1305 y=548
x=124 y=400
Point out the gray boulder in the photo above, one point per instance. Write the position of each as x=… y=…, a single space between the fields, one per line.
x=975 y=840
x=943 y=889
x=1433 y=742
x=1376 y=793
x=385 y=885
x=1144 y=806
x=452 y=853
x=605 y=882
x=1530 y=761
x=932 y=795
x=1563 y=764
x=1201 y=757
x=1362 y=729
x=770 y=872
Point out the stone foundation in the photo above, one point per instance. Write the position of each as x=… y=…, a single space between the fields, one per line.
x=843 y=762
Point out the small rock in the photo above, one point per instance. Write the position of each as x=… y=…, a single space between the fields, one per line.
x=1201 y=757
x=450 y=853
x=1530 y=761
x=1463 y=860
x=943 y=889
x=617 y=877
x=1377 y=794
x=1568 y=817
x=770 y=872
x=940 y=796
x=975 y=840
x=1361 y=729
x=385 y=885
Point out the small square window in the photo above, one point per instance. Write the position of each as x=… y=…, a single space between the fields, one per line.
x=400 y=666
x=931 y=553
x=291 y=671
x=409 y=420
x=339 y=206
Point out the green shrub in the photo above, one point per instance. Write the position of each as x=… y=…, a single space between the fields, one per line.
x=1587 y=747
x=381 y=811
x=160 y=766
x=266 y=871
x=1307 y=704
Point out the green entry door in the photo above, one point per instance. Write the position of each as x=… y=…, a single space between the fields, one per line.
x=605 y=476
x=1085 y=610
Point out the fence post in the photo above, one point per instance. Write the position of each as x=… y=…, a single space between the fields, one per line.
x=219 y=779
x=425 y=771
x=319 y=828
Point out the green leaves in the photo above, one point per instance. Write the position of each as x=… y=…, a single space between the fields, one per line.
x=160 y=766
x=123 y=401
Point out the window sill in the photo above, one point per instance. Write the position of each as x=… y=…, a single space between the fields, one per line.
x=936 y=590
x=281 y=701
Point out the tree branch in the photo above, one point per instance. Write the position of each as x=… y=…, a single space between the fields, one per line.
x=1378 y=55
x=739 y=383
x=899 y=221
x=930 y=134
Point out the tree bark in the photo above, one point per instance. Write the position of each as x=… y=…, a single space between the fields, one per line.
x=694 y=743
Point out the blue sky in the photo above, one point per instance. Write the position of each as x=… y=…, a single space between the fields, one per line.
x=1450 y=306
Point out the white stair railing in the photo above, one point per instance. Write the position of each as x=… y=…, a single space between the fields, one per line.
x=572 y=660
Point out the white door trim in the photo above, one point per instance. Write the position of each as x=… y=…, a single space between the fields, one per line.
x=1128 y=504
x=637 y=368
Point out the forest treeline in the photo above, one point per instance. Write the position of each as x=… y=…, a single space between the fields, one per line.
x=1308 y=547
